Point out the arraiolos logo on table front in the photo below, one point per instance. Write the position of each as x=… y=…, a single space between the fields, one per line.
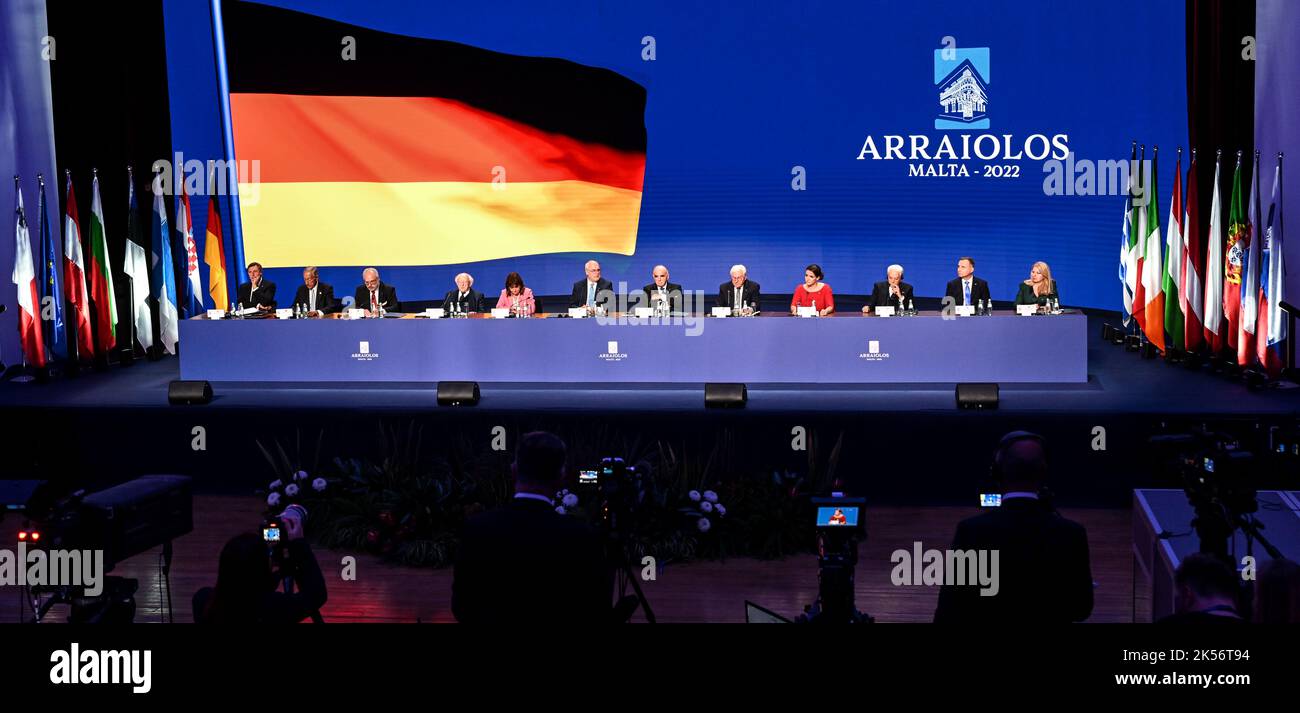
x=873 y=352
x=363 y=352
x=612 y=353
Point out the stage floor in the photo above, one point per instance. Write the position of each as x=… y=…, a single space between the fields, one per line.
x=1119 y=382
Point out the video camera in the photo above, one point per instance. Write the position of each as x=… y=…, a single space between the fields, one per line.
x=1219 y=479
x=840 y=525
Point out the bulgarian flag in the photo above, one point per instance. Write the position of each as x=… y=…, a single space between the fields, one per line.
x=29 y=294
x=1214 y=327
x=1237 y=232
x=1173 y=273
x=1151 y=267
x=101 y=276
x=1190 y=293
x=74 y=276
x=425 y=152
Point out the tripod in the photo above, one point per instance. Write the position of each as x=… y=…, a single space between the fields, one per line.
x=616 y=551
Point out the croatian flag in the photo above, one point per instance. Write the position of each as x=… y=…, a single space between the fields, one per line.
x=1271 y=329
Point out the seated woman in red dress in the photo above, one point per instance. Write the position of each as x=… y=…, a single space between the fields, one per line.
x=813 y=290
x=838 y=518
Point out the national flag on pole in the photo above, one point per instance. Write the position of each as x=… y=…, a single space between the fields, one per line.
x=101 y=275
x=214 y=254
x=29 y=294
x=1128 y=242
x=1272 y=328
x=1141 y=200
x=56 y=336
x=1190 y=292
x=1150 y=291
x=164 y=273
x=193 y=303
x=1173 y=272
x=1213 y=314
x=1233 y=253
x=74 y=276
x=136 y=267
x=1250 y=275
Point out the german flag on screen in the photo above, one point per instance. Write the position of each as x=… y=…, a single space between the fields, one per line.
x=424 y=152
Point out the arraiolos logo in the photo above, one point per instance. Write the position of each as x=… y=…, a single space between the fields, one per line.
x=962 y=78
x=612 y=353
x=363 y=353
x=873 y=352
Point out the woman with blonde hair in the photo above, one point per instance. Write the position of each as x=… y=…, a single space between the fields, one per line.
x=1040 y=288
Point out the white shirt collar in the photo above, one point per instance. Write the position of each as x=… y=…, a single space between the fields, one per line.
x=534 y=496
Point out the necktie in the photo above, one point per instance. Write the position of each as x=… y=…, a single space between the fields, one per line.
x=966 y=284
x=374 y=299
x=591 y=294
x=311 y=302
x=736 y=302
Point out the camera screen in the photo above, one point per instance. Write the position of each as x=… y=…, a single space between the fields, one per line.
x=990 y=500
x=837 y=515
x=1209 y=465
x=586 y=477
x=271 y=533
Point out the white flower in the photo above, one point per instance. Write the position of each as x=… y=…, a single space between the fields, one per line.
x=560 y=509
x=720 y=509
x=694 y=495
x=273 y=499
x=704 y=524
x=564 y=491
x=318 y=485
x=300 y=475
x=706 y=506
x=275 y=485
x=570 y=500
x=711 y=496
x=292 y=489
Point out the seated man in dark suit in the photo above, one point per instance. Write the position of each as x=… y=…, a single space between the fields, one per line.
x=1043 y=574
x=593 y=291
x=892 y=292
x=740 y=292
x=464 y=298
x=526 y=563
x=1205 y=592
x=661 y=290
x=317 y=296
x=256 y=292
x=373 y=294
x=967 y=289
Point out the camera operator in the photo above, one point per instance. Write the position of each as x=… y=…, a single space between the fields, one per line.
x=526 y=563
x=1045 y=574
x=1206 y=589
x=246 y=585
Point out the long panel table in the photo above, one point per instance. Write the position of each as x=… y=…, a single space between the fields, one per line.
x=844 y=349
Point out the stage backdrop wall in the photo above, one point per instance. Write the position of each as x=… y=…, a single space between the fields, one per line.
x=745 y=103
x=26 y=145
x=1277 y=118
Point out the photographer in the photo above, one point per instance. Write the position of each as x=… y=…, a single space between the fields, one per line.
x=246 y=585
x=526 y=563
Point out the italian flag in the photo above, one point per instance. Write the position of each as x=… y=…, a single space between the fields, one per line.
x=1174 y=302
x=101 y=276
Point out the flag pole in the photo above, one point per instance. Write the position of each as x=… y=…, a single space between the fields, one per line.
x=1290 y=367
x=129 y=352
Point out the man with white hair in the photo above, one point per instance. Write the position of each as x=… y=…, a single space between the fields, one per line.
x=740 y=291
x=464 y=298
x=660 y=290
x=891 y=292
x=593 y=291
x=373 y=294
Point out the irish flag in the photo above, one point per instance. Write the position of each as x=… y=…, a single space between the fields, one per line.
x=422 y=151
x=101 y=276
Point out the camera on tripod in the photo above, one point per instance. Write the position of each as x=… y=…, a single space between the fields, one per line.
x=840 y=526
x=621 y=490
x=1219 y=478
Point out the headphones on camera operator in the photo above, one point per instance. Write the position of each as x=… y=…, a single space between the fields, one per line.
x=998 y=477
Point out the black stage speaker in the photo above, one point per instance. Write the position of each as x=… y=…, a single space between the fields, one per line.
x=977 y=396
x=725 y=395
x=457 y=393
x=189 y=392
x=1149 y=351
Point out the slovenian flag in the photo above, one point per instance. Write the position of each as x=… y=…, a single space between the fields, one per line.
x=1272 y=328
